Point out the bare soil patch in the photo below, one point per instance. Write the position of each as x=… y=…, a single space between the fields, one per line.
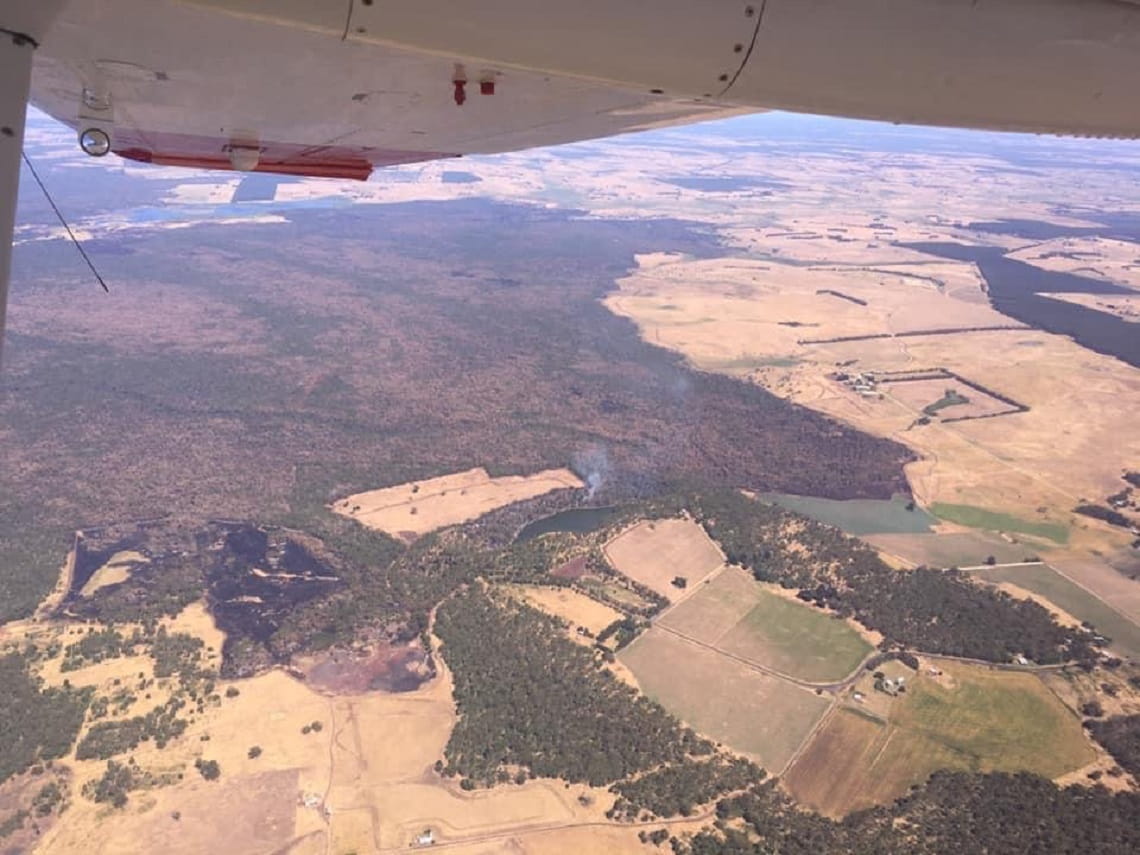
x=117 y=569
x=412 y=509
x=655 y=552
x=576 y=609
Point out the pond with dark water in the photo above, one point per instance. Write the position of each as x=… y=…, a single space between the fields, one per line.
x=575 y=521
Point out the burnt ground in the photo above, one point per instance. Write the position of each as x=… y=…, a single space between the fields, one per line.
x=252 y=578
x=233 y=366
x=385 y=667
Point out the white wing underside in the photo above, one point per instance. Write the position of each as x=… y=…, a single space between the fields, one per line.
x=182 y=84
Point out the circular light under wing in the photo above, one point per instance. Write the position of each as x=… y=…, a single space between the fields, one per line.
x=95 y=142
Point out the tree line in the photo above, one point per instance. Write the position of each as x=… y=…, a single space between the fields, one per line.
x=936 y=611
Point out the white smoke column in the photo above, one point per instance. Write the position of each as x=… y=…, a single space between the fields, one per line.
x=592 y=465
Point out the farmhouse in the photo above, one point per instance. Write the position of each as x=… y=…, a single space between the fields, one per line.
x=891 y=686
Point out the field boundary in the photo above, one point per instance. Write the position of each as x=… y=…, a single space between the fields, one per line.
x=1092 y=594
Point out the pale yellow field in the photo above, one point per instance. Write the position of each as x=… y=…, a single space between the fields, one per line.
x=654 y=552
x=575 y=608
x=1125 y=307
x=726 y=315
x=367 y=775
x=1099 y=258
x=117 y=569
x=409 y=510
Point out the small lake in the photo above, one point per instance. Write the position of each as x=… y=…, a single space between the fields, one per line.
x=858 y=516
x=575 y=521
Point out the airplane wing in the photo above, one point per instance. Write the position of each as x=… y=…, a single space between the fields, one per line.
x=336 y=88
x=180 y=84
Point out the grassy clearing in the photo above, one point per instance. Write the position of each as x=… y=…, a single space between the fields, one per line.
x=418 y=507
x=617 y=593
x=972 y=719
x=736 y=614
x=751 y=712
x=975 y=517
x=858 y=516
x=996 y=721
x=795 y=639
x=1044 y=580
x=744 y=364
x=957 y=549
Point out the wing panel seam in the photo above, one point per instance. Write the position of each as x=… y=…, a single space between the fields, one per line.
x=751 y=47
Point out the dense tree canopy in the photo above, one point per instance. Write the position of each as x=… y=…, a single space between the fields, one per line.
x=953 y=813
x=36 y=723
x=530 y=697
x=936 y=611
x=1120 y=735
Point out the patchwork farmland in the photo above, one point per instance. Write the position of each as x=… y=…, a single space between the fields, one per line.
x=967 y=718
x=754 y=713
x=738 y=616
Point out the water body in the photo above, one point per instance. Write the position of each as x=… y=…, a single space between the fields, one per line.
x=858 y=516
x=454 y=177
x=575 y=521
x=725 y=184
x=1016 y=290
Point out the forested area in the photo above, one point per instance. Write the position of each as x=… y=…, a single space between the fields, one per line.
x=677 y=790
x=531 y=701
x=106 y=739
x=95 y=647
x=1120 y=735
x=30 y=555
x=36 y=723
x=529 y=697
x=936 y=611
x=953 y=813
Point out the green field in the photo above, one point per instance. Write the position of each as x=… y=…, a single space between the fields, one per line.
x=1044 y=580
x=762 y=716
x=858 y=516
x=995 y=721
x=975 y=517
x=956 y=549
x=736 y=614
x=981 y=721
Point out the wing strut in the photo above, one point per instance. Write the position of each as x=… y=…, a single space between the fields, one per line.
x=23 y=25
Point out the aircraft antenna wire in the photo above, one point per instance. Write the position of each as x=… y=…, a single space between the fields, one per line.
x=59 y=214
